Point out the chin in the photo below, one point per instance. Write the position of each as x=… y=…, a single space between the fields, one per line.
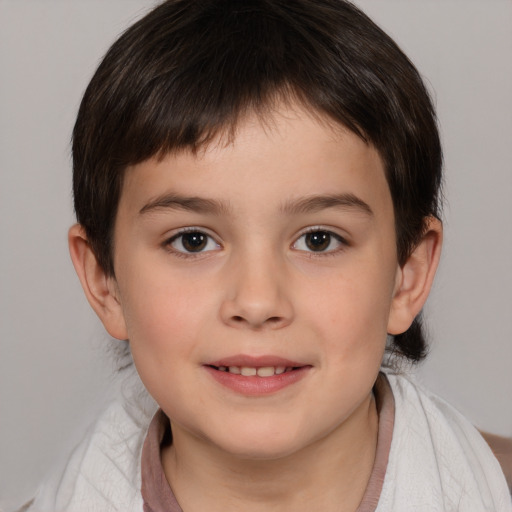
x=262 y=444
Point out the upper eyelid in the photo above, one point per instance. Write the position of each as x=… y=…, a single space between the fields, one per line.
x=326 y=229
x=191 y=229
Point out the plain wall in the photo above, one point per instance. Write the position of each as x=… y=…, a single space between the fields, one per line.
x=55 y=369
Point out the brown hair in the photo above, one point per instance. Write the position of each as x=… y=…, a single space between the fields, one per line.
x=190 y=69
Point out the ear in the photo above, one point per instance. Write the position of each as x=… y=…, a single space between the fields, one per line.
x=414 y=279
x=100 y=289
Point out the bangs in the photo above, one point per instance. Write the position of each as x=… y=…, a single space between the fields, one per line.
x=207 y=68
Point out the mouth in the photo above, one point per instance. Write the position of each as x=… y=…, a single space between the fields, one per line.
x=253 y=371
x=257 y=375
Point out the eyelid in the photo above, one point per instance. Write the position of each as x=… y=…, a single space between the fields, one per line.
x=344 y=243
x=327 y=229
x=167 y=243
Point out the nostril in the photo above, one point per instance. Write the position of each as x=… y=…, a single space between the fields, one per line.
x=273 y=320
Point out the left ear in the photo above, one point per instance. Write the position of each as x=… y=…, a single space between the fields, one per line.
x=414 y=279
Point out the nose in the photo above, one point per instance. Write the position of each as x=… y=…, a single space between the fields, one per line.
x=257 y=295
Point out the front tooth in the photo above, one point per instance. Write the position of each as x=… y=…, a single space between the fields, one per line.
x=265 y=371
x=280 y=369
x=247 y=372
x=234 y=369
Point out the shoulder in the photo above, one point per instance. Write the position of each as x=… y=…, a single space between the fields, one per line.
x=103 y=472
x=437 y=457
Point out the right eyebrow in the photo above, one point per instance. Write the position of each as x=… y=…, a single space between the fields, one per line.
x=192 y=203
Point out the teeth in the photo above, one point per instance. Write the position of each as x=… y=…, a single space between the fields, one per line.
x=265 y=371
x=262 y=371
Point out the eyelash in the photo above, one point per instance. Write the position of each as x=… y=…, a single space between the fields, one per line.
x=189 y=254
x=343 y=244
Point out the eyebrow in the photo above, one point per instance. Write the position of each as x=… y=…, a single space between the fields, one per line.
x=177 y=202
x=346 y=201
x=311 y=204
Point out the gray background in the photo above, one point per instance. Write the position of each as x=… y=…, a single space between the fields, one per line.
x=55 y=369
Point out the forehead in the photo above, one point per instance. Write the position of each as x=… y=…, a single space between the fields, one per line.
x=286 y=155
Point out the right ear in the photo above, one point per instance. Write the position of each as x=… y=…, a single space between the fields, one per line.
x=100 y=289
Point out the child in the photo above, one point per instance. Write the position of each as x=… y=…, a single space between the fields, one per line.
x=257 y=190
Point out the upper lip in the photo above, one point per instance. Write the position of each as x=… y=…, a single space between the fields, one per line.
x=256 y=361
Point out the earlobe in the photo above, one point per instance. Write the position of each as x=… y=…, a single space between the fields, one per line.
x=415 y=278
x=99 y=288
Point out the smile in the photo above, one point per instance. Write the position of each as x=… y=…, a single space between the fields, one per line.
x=248 y=371
x=257 y=376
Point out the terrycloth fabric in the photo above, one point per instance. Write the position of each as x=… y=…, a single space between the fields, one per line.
x=438 y=462
x=103 y=473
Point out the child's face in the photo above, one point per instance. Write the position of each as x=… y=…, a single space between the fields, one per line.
x=277 y=250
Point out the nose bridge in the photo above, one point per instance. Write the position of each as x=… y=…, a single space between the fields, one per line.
x=257 y=295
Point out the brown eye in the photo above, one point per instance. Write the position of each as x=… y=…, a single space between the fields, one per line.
x=318 y=240
x=193 y=242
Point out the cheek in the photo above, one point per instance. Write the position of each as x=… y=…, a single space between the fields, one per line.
x=161 y=314
x=351 y=309
x=162 y=330
x=158 y=301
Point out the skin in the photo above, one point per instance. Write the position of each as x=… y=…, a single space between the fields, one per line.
x=258 y=289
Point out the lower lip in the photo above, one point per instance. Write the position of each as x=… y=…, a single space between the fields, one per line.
x=257 y=386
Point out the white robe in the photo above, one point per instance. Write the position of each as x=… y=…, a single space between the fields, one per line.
x=438 y=462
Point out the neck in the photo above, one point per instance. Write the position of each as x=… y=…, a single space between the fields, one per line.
x=330 y=474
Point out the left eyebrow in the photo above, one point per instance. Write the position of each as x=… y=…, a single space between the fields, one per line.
x=313 y=204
